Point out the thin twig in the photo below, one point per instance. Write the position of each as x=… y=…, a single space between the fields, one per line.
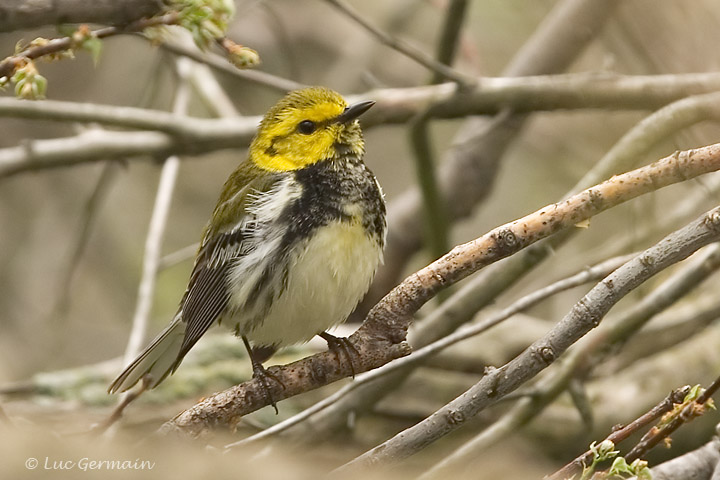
x=589 y=274
x=92 y=206
x=178 y=256
x=218 y=63
x=693 y=409
x=403 y=47
x=450 y=35
x=117 y=412
x=434 y=209
x=622 y=433
x=56 y=45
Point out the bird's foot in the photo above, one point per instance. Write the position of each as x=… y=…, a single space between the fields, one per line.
x=263 y=376
x=342 y=344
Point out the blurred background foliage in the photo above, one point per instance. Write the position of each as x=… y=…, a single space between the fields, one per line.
x=312 y=43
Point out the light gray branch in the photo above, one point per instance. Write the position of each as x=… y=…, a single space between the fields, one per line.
x=700 y=464
x=190 y=135
x=381 y=337
x=583 y=317
x=487 y=285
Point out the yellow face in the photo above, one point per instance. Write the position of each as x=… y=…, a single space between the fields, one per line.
x=305 y=127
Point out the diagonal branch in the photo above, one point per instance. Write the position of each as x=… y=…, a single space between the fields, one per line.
x=403 y=47
x=382 y=336
x=585 y=315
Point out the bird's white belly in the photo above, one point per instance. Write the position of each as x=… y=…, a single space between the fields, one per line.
x=326 y=280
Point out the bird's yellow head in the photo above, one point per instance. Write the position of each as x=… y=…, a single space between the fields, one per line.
x=305 y=127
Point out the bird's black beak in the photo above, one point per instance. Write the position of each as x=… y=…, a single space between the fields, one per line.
x=354 y=111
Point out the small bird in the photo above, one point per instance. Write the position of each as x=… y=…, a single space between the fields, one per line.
x=292 y=245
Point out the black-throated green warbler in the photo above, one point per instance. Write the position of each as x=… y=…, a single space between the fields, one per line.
x=293 y=242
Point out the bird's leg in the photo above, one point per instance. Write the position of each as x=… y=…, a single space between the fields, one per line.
x=261 y=373
x=341 y=344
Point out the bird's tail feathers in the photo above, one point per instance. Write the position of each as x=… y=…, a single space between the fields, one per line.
x=159 y=359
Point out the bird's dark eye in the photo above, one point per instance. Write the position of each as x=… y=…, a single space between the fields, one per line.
x=306 y=127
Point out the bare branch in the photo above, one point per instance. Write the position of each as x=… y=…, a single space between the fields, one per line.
x=485 y=287
x=89 y=217
x=581 y=361
x=381 y=337
x=701 y=463
x=22 y=14
x=403 y=47
x=219 y=63
x=584 y=316
x=447 y=46
x=190 y=135
x=589 y=274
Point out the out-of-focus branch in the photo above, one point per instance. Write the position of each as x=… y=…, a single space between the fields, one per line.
x=583 y=317
x=450 y=35
x=153 y=241
x=700 y=464
x=434 y=208
x=24 y=14
x=190 y=129
x=399 y=105
x=190 y=135
x=221 y=64
x=403 y=47
x=89 y=217
x=382 y=336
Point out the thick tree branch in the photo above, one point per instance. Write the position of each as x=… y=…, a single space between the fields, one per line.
x=584 y=316
x=582 y=360
x=595 y=272
x=485 y=287
x=470 y=166
x=25 y=14
x=382 y=336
